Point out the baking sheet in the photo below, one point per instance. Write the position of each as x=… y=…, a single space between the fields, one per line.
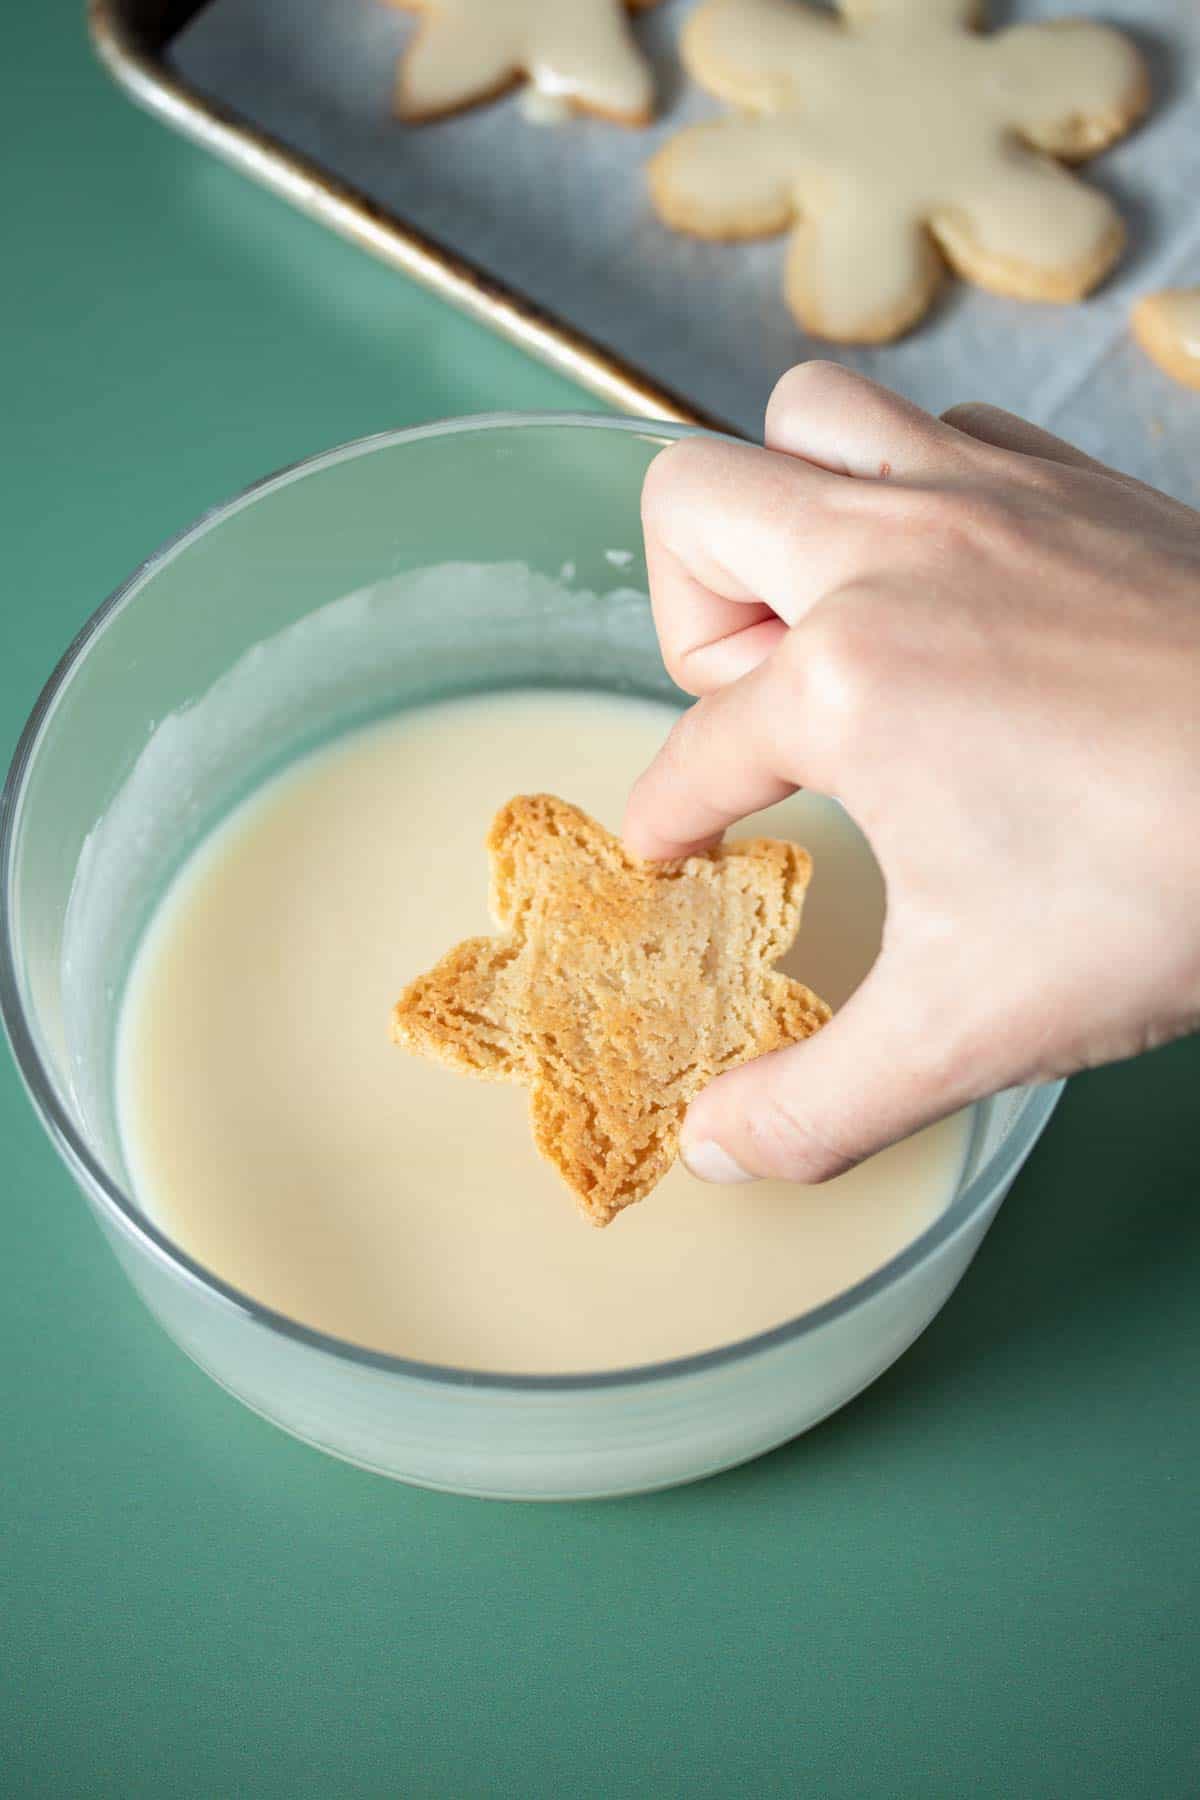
x=559 y=213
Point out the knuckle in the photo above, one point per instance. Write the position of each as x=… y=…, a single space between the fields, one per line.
x=837 y=659
x=969 y=415
x=949 y=526
x=675 y=660
x=934 y=514
x=804 y=381
x=677 y=757
x=664 y=790
x=643 y=803
x=1046 y=484
x=788 y=1144
x=671 y=474
x=661 y=483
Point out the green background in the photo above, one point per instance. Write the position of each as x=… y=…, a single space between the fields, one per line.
x=980 y=1578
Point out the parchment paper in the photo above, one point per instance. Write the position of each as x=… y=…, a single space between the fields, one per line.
x=559 y=213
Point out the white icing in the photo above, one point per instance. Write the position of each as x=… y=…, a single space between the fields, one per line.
x=898 y=122
x=578 y=52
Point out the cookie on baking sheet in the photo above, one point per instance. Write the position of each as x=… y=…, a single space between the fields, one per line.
x=580 y=52
x=894 y=139
x=619 y=989
x=1167 y=326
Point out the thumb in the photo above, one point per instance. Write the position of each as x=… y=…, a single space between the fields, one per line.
x=876 y=1072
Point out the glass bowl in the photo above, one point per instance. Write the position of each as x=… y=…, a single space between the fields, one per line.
x=480 y=553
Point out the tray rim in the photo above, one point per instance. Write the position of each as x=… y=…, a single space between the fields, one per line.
x=129 y=58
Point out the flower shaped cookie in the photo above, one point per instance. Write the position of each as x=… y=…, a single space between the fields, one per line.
x=579 y=51
x=892 y=133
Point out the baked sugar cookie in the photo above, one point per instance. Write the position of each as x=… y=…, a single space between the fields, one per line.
x=1167 y=326
x=892 y=132
x=617 y=990
x=578 y=52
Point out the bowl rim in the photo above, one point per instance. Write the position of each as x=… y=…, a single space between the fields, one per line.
x=123 y=1212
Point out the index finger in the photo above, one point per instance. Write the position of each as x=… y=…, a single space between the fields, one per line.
x=729 y=755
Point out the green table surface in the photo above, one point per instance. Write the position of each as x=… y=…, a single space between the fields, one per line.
x=980 y=1578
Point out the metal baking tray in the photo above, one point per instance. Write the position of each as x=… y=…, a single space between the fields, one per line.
x=544 y=231
x=135 y=40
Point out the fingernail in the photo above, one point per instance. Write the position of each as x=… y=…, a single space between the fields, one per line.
x=708 y=1162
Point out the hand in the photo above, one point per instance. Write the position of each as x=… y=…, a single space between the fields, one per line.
x=987 y=646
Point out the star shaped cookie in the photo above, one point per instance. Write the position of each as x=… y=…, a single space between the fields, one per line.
x=578 y=51
x=616 y=990
x=892 y=138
